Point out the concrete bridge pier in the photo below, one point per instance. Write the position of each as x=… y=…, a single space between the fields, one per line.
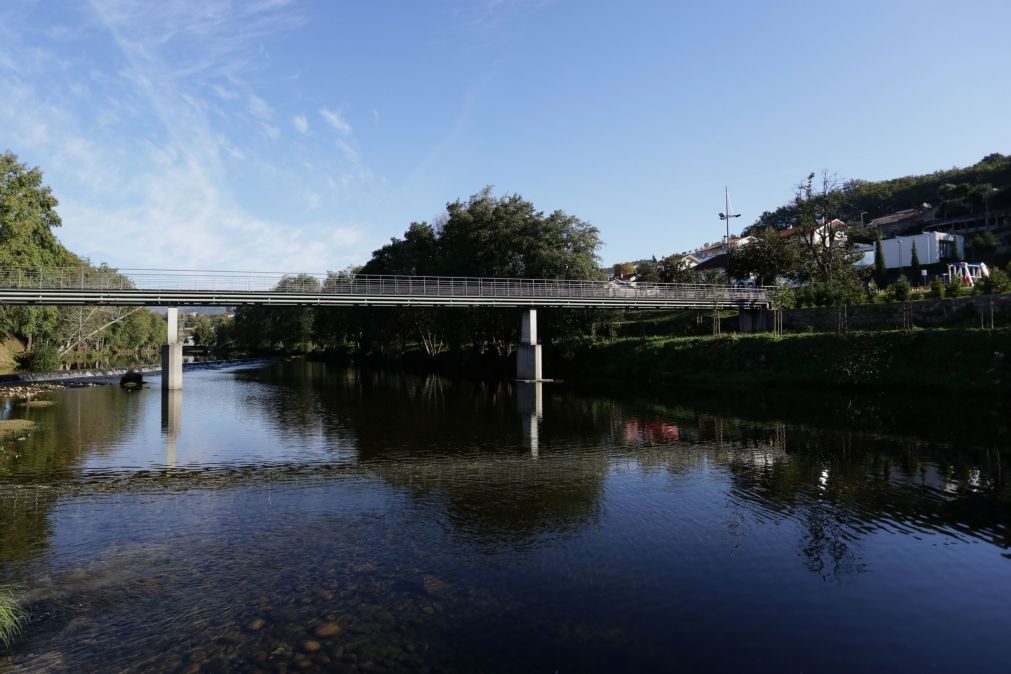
x=528 y=355
x=754 y=320
x=172 y=355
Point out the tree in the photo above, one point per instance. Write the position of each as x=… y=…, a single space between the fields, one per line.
x=827 y=248
x=769 y=257
x=914 y=263
x=624 y=269
x=507 y=237
x=997 y=282
x=982 y=246
x=880 y=268
x=648 y=271
x=414 y=255
x=27 y=218
x=203 y=331
x=677 y=269
x=900 y=290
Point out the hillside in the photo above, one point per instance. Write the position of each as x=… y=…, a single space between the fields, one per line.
x=984 y=186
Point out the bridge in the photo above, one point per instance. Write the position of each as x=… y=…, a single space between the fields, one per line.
x=73 y=286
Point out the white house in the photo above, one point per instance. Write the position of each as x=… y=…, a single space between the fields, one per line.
x=931 y=248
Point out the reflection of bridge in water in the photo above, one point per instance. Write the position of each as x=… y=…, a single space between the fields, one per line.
x=67 y=286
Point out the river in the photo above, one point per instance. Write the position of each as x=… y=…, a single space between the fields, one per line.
x=300 y=517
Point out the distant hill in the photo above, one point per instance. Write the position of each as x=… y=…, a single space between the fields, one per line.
x=954 y=192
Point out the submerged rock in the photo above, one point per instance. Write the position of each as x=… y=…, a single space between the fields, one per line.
x=327 y=630
x=132 y=379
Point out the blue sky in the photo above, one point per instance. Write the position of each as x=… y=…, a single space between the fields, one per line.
x=297 y=135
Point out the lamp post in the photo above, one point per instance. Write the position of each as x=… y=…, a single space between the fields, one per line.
x=726 y=215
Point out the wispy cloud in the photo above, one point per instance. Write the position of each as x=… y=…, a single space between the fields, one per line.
x=188 y=91
x=335 y=120
x=258 y=108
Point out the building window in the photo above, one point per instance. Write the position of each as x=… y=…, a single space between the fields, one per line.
x=947 y=250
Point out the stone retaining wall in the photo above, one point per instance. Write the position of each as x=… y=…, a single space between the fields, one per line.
x=957 y=312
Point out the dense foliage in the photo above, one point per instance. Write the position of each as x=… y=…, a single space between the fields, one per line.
x=485 y=236
x=27 y=219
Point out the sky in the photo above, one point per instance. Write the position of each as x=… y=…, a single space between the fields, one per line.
x=300 y=135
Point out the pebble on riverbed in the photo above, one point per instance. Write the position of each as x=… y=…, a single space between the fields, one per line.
x=327 y=630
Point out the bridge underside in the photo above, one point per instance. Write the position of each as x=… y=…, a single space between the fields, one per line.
x=168 y=298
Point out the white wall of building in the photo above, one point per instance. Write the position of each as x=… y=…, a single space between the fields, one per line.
x=899 y=250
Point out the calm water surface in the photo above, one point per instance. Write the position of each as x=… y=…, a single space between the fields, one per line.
x=298 y=517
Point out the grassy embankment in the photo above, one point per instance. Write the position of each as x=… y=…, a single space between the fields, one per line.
x=928 y=361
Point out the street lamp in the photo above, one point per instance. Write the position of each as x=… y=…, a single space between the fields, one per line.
x=726 y=215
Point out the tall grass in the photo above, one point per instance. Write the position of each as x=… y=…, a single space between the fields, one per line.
x=12 y=617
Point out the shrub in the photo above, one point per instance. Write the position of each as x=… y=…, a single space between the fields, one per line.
x=937 y=288
x=953 y=289
x=784 y=297
x=871 y=290
x=899 y=291
x=12 y=616
x=805 y=296
x=43 y=358
x=997 y=282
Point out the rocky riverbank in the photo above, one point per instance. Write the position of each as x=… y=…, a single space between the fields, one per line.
x=30 y=384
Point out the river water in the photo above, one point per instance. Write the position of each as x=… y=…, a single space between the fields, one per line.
x=299 y=517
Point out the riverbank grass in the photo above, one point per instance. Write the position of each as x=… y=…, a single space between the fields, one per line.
x=15 y=427
x=920 y=360
x=12 y=618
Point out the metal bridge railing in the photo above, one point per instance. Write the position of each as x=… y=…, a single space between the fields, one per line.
x=65 y=278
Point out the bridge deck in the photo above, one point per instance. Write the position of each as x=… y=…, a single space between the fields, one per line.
x=77 y=286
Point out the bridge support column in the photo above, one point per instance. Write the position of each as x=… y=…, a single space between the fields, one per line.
x=753 y=320
x=528 y=355
x=172 y=355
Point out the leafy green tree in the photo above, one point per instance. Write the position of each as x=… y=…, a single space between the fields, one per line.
x=507 y=237
x=44 y=357
x=648 y=271
x=769 y=257
x=982 y=246
x=203 y=331
x=27 y=218
x=677 y=269
x=414 y=255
